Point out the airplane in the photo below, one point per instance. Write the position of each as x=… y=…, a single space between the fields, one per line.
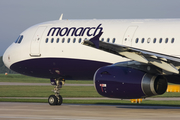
x=126 y=58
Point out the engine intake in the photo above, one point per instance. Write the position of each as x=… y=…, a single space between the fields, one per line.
x=127 y=83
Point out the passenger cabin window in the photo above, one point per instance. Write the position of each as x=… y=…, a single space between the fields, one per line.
x=108 y=40
x=114 y=40
x=137 y=39
x=142 y=41
x=68 y=40
x=19 y=39
x=46 y=40
x=166 y=41
x=79 y=40
x=52 y=40
x=57 y=40
x=148 y=40
x=74 y=40
x=102 y=39
x=154 y=41
x=63 y=40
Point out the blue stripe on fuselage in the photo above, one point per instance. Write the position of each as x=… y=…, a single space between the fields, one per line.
x=58 y=67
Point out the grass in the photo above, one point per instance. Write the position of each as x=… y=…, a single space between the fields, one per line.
x=169 y=94
x=27 y=79
x=21 y=78
x=66 y=91
x=45 y=91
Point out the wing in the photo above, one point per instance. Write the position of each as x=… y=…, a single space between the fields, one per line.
x=165 y=62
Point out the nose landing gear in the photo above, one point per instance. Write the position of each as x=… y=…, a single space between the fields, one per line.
x=57 y=98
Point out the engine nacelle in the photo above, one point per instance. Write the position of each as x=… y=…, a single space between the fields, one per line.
x=127 y=83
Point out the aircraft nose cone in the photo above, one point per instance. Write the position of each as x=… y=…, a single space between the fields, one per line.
x=6 y=59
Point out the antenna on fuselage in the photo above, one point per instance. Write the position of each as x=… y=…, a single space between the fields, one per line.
x=61 y=17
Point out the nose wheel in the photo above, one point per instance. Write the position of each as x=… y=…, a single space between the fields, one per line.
x=53 y=100
x=57 y=98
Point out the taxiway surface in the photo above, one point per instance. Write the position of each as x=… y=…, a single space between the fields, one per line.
x=36 y=111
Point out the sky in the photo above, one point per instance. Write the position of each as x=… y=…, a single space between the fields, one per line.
x=18 y=15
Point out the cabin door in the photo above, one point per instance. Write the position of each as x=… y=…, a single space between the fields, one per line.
x=128 y=36
x=35 y=43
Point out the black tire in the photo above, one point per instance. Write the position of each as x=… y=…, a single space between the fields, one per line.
x=52 y=100
x=60 y=100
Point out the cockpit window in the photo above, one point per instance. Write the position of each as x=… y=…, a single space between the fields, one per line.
x=19 y=39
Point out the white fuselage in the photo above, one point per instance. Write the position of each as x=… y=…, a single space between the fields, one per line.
x=157 y=36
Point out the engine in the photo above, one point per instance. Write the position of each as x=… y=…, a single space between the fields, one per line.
x=128 y=83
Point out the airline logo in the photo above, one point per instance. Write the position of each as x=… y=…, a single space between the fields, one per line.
x=73 y=31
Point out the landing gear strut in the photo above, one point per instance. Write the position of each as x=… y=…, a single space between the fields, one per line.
x=57 y=98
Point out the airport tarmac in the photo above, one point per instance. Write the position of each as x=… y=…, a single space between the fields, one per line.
x=94 y=98
x=37 y=111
